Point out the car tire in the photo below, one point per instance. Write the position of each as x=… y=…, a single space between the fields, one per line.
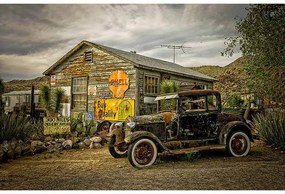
x=113 y=151
x=238 y=144
x=142 y=153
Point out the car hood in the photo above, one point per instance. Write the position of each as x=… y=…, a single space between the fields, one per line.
x=153 y=118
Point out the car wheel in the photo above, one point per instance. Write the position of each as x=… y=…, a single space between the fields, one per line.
x=238 y=144
x=142 y=153
x=116 y=151
x=103 y=128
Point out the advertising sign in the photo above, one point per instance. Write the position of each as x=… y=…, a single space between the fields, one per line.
x=118 y=83
x=54 y=125
x=114 y=109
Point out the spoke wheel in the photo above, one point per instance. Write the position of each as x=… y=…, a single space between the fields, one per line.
x=117 y=151
x=238 y=144
x=103 y=129
x=142 y=153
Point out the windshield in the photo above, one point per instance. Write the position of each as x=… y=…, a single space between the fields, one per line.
x=167 y=105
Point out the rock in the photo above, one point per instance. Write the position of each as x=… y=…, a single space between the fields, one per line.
x=75 y=146
x=18 y=151
x=97 y=145
x=91 y=145
x=26 y=150
x=58 y=146
x=5 y=146
x=51 y=148
x=60 y=140
x=67 y=144
x=36 y=143
x=48 y=139
x=96 y=139
x=87 y=142
x=38 y=147
x=81 y=145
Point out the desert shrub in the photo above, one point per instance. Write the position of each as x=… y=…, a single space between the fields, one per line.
x=83 y=126
x=18 y=127
x=235 y=101
x=168 y=86
x=271 y=128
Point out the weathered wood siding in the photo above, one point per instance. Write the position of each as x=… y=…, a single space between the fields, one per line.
x=98 y=73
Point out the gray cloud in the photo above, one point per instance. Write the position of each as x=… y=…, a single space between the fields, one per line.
x=33 y=37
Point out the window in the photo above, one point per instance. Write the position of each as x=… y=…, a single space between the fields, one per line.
x=88 y=56
x=212 y=102
x=151 y=85
x=79 y=93
x=193 y=103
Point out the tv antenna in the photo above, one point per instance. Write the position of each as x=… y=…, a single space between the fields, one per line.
x=174 y=47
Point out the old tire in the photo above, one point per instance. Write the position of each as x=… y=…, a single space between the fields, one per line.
x=142 y=153
x=114 y=151
x=103 y=128
x=238 y=144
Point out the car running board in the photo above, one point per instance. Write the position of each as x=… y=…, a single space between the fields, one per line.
x=191 y=150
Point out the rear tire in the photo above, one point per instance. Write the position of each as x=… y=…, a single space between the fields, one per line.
x=238 y=144
x=114 y=150
x=142 y=153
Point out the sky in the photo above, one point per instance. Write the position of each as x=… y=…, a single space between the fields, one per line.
x=34 y=37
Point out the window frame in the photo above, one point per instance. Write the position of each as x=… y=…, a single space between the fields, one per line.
x=79 y=93
x=144 y=84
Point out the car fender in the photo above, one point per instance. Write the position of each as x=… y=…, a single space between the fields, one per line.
x=118 y=132
x=232 y=126
x=145 y=134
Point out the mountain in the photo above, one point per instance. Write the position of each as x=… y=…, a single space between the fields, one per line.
x=16 y=85
x=232 y=78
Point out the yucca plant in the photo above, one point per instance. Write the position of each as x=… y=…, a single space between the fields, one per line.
x=51 y=99
x=271 y=128
x=168 y=86
x=13 y=126
x=57 y=97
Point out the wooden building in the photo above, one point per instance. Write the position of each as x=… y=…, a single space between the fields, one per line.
x=108 y=83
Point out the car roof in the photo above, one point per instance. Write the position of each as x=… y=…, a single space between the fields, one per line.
x=198 y=92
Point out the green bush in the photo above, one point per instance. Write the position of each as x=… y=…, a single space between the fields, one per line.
x=235 y=101
x=271 y=128
x=18 y=127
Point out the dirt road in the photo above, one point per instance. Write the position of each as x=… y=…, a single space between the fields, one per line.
x=264 y=168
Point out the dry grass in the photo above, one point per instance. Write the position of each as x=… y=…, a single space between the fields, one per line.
x=264 y=168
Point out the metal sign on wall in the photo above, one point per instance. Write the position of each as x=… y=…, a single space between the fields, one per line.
x=114 y=109
x=118 y=83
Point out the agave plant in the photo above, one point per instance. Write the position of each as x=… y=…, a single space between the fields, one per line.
x=18 y=127
x=271 y=128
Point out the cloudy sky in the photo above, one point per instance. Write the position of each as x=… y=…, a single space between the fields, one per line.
x=33 y=37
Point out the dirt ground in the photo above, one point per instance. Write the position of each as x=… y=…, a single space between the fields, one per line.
x=93 y=169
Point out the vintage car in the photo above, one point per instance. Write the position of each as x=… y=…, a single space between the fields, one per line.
x=186 y=122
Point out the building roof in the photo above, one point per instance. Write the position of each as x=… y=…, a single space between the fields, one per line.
x=140 y=61
x=22 y=92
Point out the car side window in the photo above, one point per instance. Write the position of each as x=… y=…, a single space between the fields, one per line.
x=212 y=102
x=194 y=103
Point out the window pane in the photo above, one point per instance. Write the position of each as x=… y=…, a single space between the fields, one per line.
x=151 y=85
x=79 y=92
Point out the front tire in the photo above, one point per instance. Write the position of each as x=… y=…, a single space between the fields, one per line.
x=238 y=144
x=142 y=153
x=114 y=150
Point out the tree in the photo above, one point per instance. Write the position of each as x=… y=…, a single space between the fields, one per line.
x=261 y=37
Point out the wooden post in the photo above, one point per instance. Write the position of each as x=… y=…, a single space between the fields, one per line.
x=33 y=102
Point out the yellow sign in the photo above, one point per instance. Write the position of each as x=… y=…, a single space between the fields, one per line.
x=114 y=109
x=118 y=83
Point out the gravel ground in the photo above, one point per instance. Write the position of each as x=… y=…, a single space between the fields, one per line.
x=264 y=169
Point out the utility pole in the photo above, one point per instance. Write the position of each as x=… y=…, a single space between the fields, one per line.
x=174 y=47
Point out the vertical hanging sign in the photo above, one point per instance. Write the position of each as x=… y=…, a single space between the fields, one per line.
x=52 y=80
x=118 y=83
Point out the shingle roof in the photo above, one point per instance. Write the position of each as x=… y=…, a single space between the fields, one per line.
x=143 y=62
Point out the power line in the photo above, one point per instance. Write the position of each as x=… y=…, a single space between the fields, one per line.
x=174 y=47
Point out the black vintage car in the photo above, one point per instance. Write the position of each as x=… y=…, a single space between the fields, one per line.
x=188 y=121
